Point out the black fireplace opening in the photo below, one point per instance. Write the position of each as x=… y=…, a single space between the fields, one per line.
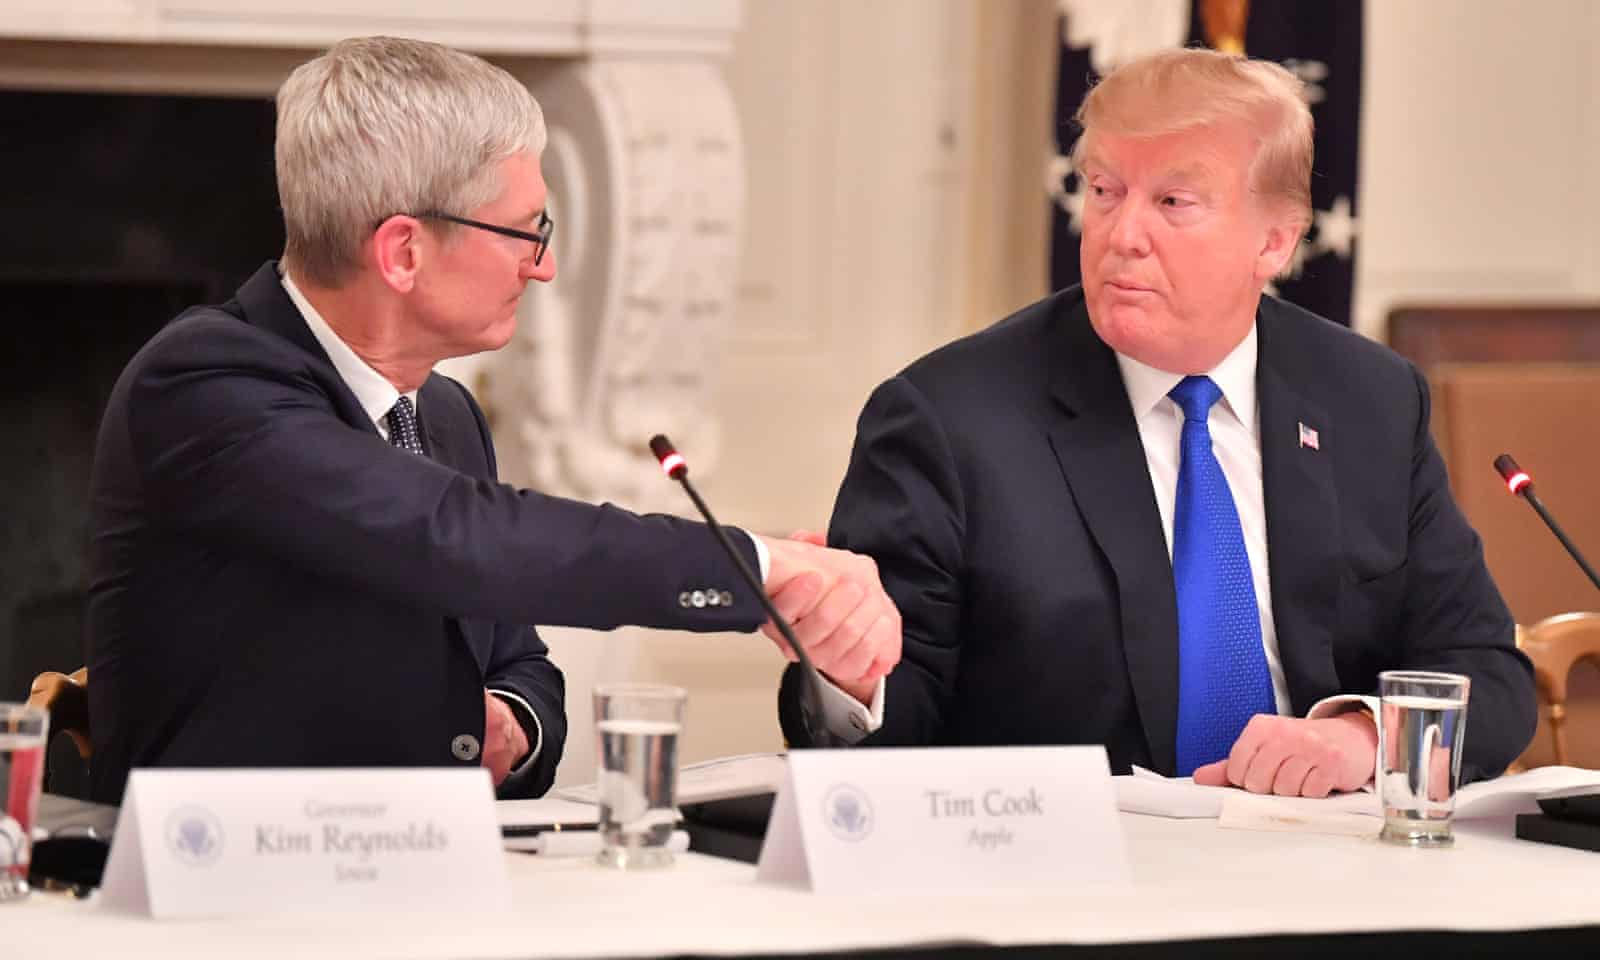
x=119 y=212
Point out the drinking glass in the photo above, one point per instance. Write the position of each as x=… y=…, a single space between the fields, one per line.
x=638 y=727
x=1420 y=733
x=22 y=741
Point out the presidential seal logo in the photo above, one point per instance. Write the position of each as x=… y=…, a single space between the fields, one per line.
x=847 y=812
x=194 y=836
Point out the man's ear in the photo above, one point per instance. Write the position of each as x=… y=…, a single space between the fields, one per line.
x=1277 y=248
x=397 y=249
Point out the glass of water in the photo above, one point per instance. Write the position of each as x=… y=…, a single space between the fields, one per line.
x=638 y=727
x=22 y=739
x=1420 y=733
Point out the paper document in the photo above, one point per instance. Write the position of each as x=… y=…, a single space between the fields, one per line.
x=574 y=843
x=1519 y=792
x=1252 y=811
x=1176 y=797
x=1180 y=797
x=543 y=812
x=716 y=779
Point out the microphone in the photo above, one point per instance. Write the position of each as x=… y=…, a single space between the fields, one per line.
x=1571 y=818
x=677 y=468
x=1519 y=483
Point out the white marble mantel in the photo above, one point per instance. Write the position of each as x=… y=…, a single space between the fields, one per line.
x=645 y=165
x=546 y=28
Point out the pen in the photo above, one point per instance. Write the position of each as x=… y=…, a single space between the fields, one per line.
x=579 y=843
x=534 y=829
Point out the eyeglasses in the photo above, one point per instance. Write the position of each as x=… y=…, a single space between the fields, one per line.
x=540 y=238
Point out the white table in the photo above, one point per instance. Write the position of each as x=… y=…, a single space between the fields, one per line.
x=1194 y=880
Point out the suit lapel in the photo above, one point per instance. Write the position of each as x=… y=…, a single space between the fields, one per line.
x=1096 y=442
x=267 y=305
x=1302 y=508
x=437 y=438
x=443 y=418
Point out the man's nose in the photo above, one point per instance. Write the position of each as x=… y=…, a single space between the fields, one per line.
x=544 y=271
x=1130 y=230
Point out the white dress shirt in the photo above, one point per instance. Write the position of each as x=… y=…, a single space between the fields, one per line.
x=377 y=397
x=1235 y=425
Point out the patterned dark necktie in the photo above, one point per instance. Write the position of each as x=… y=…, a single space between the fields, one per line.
x=403 y=426
x=1222 y=668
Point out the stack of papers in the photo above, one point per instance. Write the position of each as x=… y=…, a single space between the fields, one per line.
x=1150 y=793
x=719 y=779
x=528 y=816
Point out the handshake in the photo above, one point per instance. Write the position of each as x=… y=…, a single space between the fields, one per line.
x=839 y=611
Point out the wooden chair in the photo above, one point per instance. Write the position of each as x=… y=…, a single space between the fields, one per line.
x=1555 y=645
x=66 y=697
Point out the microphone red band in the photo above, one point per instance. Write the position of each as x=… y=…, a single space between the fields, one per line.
x=1516 y=478
x=672 y=462
x=1520 y=484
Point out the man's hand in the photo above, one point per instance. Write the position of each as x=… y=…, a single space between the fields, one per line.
x=505 y=743
x=839 y=610
x=1294 y=757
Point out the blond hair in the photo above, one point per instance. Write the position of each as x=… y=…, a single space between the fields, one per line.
x=1178 y=90
x=379 y=126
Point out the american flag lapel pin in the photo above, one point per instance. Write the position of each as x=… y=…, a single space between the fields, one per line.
x=1308 y=437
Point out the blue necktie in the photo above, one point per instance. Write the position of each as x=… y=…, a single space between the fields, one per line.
x=403 y=426
x=1222 y=667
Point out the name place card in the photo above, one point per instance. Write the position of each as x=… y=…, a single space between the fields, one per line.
x=216 y=842
x=945 y=819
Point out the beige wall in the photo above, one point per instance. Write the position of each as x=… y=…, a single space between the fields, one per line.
x=1479 y=146
x=1013 y=88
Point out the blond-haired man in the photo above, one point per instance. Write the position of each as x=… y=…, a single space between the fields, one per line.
x=1164 y=512
x=300 y=552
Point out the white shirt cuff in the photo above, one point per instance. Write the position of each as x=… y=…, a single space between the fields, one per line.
x=845 y=717
x=519 y=704
x=763 y=559
x=1344 y=703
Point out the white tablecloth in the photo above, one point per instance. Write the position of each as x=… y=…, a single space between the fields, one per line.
x=1193 y=880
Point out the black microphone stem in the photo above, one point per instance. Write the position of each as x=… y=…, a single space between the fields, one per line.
x=811 y=694
x=1561 y=535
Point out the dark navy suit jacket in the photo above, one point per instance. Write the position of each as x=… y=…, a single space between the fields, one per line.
x=273 y=584
x=1002 y=487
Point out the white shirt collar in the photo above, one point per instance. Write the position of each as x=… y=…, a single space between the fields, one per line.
x=1235 y=376
x=376 y=395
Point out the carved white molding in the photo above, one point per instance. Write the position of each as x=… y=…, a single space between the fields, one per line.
x=646 y=175
x=540 y=27
x=246 y=47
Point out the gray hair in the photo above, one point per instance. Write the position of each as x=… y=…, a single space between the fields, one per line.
x=379 y=126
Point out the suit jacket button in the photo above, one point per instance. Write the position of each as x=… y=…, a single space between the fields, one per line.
x=858 y=723
x=684 y=599
x=698 y=598
x=713 y=599
x=727 y=599
x=465 y=747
